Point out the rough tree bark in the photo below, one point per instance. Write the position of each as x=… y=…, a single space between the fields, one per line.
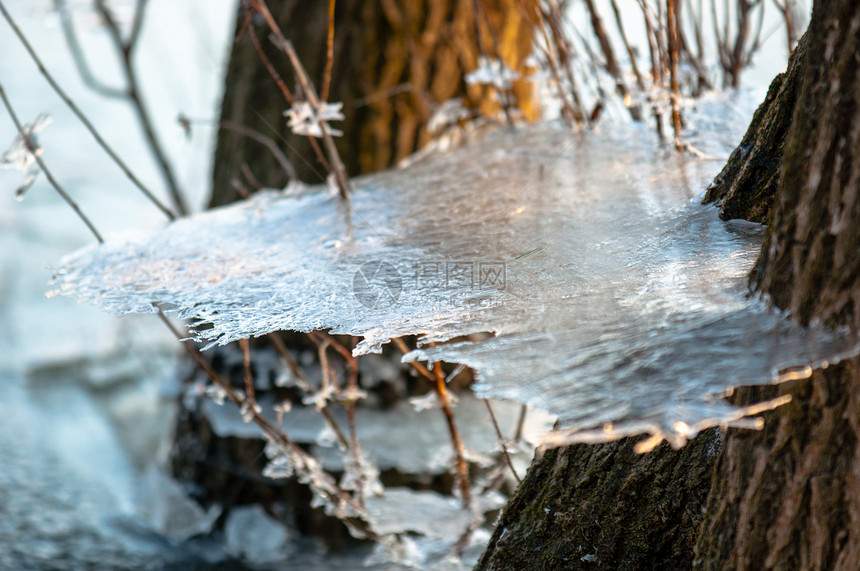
x=787 y=497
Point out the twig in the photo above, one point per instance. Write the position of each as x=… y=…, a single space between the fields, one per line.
x=352 y=393
x=501 y=438
x=672 y=39
x=445 y=400
x=611 y=63
x=78 y=57
x=285 y=91
x=79 y=114
x=343 y=182
x=630 y=53
x=28 y=142
x=329 y=53
x=326 y=486
x=339 y=171
x=518 y=435
x=125 y=48
x=462 y=466
x=249 y=176
x=136 y=26
x=270 y=144
x=305 y=386
x=571 y=112
x=249 y=375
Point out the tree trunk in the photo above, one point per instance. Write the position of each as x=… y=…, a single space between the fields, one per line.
x=787 y=497
x=589 y=506
x=394 y=63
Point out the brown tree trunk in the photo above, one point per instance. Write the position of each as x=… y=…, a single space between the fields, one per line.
x=394 y=62
x=787 y=497
x=605 y=506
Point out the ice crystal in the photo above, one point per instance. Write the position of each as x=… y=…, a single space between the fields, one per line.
x=305 y=120
x=21 y=154
x=216 y=393
x=249 y=410
x=494 y=72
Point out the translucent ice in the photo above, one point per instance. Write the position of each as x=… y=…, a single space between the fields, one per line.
x=575 y=271
x=252 y=534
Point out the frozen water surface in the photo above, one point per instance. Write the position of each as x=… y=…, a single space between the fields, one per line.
x=575 y=271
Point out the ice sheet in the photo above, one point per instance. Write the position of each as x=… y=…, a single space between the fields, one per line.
x=612 y=298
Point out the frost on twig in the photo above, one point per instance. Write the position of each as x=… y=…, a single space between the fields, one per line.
x=305 y=120
x=448 y=114
x=21 y=154
x=493 y=72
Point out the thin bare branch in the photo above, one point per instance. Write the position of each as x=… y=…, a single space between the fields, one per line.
x=283 y=161
x=34 y=151
x=83 y=119
x=140 y=109
x=339 y=171
x=502 y=443
x=71 y=37
x=630 y=53
x=457 y=441
x=611 y=64
x=136 y=27
x=329 y=53
x=329 y=487
x=672 y=27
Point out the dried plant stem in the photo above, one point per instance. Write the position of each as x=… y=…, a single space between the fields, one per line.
x=269 y=143
x=331 y=490
x=28 y=142
x=126 y=48
x=78 y=55
x=305 y=386
x=501 y=438
x=672 y=40
x=611 y=64
x=462 y=466
x=571 y=111
x=630 y=53
x=337 y=167
x=285 y=91
x=329 y=53
x=83 y=118
x=343 y=183
x=349 y=405
x=438 y=379
x=250 y=394
x=521 y=422
x=419 y=368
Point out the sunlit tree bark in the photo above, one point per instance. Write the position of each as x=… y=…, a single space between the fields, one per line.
x=394 y=62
